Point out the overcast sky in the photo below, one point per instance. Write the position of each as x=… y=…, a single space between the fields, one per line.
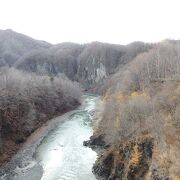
x=82 y=21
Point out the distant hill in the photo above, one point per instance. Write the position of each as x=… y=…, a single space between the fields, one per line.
x=90 y=64
x=13 y=45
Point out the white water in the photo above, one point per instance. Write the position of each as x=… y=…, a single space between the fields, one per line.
x=62 y=153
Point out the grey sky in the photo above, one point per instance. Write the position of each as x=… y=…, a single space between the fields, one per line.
x=82 y=21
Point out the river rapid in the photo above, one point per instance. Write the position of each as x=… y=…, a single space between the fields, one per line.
x=62 y=154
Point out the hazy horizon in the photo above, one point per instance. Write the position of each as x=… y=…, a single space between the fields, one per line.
x=85 y=21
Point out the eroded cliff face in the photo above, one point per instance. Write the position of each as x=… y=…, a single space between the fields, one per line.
x=135 y=159
x=96 y=62
x=90 y=74
x=125 y=160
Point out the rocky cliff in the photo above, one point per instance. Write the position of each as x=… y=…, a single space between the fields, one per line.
x=125 y=160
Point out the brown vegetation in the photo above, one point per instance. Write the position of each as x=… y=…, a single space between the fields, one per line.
x=143 y=100
x=28 y=100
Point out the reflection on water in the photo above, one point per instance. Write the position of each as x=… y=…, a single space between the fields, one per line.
x=62 y=153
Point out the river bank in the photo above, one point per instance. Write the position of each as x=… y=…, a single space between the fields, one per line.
x=23 y=162
x=24 y=165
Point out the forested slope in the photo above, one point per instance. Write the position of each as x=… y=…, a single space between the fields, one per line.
x=139 y=133
x=27 y=101
x=90 y=64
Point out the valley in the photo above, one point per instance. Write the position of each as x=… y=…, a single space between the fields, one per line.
x=136 y=132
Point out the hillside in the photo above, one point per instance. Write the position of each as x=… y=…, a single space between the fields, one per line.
x=90 y=64
x=138 y=135
x=13 y=45
x=61 y=58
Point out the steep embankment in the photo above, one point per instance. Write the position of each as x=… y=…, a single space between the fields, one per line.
x=139 y=133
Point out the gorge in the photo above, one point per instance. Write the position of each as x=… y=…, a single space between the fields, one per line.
x=135 y=130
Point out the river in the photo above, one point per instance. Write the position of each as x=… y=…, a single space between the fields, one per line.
x=62 y=154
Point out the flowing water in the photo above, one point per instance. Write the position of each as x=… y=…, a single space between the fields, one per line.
x=62 y=154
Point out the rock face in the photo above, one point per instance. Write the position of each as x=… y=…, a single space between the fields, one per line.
x=97 y=62
x=126 y=160
x=96 y=143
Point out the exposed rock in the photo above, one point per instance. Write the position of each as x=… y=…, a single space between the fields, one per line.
x=127 y=160
x=96 y=143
